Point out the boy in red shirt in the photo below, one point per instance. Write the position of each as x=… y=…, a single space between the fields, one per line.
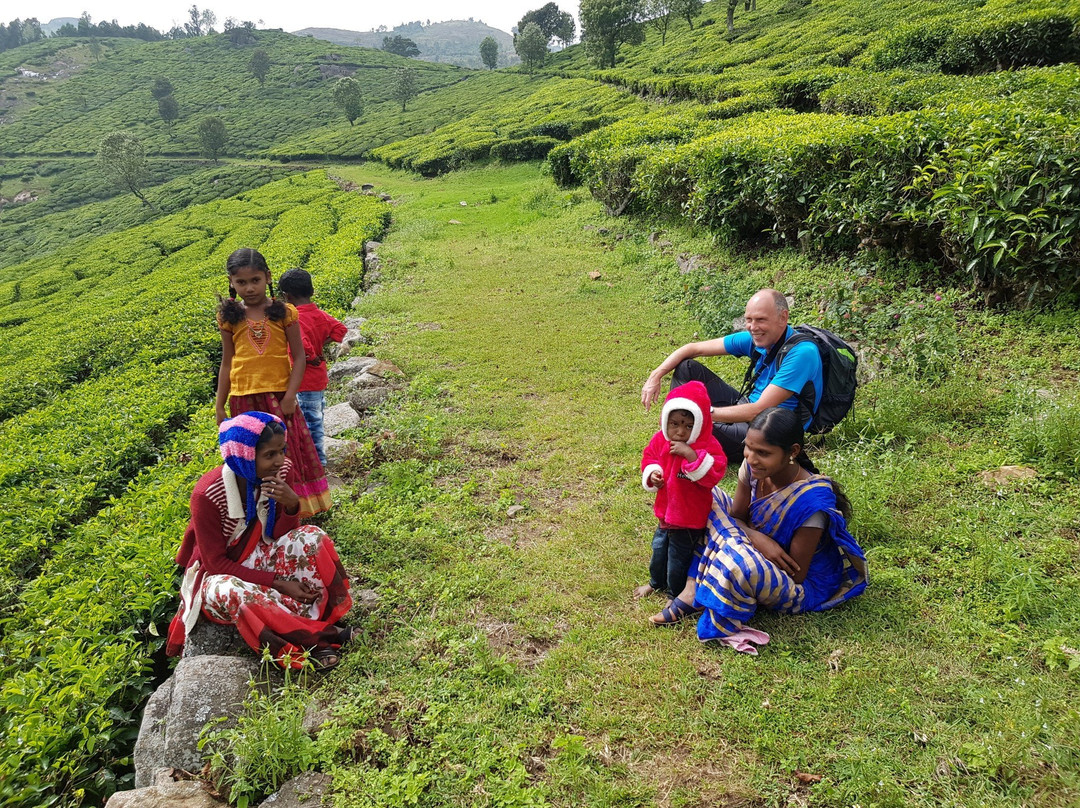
x=316 y=327
x=681 y=464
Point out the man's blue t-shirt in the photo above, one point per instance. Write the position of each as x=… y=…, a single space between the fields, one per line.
x=801 y=365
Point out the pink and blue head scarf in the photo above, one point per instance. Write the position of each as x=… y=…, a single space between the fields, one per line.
x=237 y=438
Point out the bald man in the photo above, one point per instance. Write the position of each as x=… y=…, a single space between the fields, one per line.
x=795 y=383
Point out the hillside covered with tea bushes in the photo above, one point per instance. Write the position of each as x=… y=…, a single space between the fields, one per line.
x=71 y=113
x=907 y=171
x=108 y=358
x=869 y=127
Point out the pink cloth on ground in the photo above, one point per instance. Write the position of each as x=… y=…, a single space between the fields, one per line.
x=743 y=641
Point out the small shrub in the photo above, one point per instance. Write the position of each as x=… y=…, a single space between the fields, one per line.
x=1047 y=433
x=267 y=747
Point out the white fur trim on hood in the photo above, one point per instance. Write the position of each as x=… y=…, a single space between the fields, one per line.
x=679 y=403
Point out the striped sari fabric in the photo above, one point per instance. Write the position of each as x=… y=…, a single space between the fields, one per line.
x=733 y=578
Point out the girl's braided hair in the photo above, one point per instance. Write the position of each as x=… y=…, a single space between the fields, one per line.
x=231 y=310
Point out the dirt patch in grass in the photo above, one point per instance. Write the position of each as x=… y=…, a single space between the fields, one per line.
x=680 y=779
x=505 y=639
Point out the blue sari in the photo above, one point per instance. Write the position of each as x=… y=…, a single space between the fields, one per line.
x=733 y=578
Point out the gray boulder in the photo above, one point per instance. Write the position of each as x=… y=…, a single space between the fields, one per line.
x=212 y=639
x=353 y=366
x=338 y=418
x=201 y=689
x=367 y=398
x=304 y=791
x=338 y=451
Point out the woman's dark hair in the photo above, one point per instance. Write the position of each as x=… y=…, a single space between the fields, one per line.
x=780 y=427
x=230 y=309
x=272 y=428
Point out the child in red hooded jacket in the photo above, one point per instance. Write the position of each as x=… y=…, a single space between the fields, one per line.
x=681 y=464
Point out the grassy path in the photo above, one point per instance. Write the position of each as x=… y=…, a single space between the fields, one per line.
x=507 y=664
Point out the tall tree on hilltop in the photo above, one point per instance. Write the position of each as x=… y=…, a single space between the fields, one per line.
x=658 y=14
x=489 y=52
x=607 y=24
x=169 y=111
x=531 y=45
x=200 y=23
x=400 y=45
x=193 y=27
x=240 y=33
x=213 y=136
x=553 y=22
x=162 y=87
x=404 y=86
x=688 y=9
x=122 y=158
x=259 y=65
x=347 y=95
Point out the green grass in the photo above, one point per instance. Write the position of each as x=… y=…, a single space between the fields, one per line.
x=507 y=663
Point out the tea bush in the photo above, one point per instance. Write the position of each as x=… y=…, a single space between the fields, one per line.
x=68 y=211
x=986 y=185
x=75 y=660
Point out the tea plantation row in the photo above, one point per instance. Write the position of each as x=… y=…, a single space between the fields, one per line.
x=67 y=210
x=985 y=184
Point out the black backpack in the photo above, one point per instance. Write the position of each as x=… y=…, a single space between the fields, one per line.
x=838 y=365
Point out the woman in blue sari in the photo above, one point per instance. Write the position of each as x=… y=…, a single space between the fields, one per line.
x=782 y=541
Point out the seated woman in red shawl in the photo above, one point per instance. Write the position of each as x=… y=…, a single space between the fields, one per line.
x=249 y=562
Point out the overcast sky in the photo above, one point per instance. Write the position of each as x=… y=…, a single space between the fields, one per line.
x=292 y=16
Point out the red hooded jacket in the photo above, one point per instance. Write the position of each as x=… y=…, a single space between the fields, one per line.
x=685 y=498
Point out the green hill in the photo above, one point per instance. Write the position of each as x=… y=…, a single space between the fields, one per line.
x=455 y=42
x=70 y=115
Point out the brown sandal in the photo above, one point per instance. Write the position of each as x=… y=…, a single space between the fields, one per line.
x=324 y=659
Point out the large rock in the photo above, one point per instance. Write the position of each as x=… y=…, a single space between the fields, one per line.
x=385 y=370
x=350 y=367
x=201 y=689
x=338 y=452
x=367 y=398
x=304 y=791
x=338 y=418
x=183 y=794
x=150 y=745
x=214 y=639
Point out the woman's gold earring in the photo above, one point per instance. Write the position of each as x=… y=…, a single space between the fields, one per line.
x=791 y=461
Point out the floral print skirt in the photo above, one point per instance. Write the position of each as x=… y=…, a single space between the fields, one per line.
x=266 y=618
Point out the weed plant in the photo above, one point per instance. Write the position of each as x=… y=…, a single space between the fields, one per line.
x=267 y=746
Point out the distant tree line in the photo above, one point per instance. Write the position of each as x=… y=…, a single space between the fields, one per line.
x=200 y=22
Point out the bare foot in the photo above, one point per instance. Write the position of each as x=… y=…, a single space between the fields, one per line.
x=642 y=591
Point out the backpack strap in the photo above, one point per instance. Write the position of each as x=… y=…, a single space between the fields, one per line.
x=757 y=367
x=805 y=407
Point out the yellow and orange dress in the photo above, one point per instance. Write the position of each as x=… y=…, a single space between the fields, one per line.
x=258 y=379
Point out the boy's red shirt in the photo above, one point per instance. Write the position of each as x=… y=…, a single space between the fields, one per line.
x=317 y=327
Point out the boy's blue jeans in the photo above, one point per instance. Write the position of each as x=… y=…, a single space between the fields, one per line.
x=672 y=553
x=311 y=404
